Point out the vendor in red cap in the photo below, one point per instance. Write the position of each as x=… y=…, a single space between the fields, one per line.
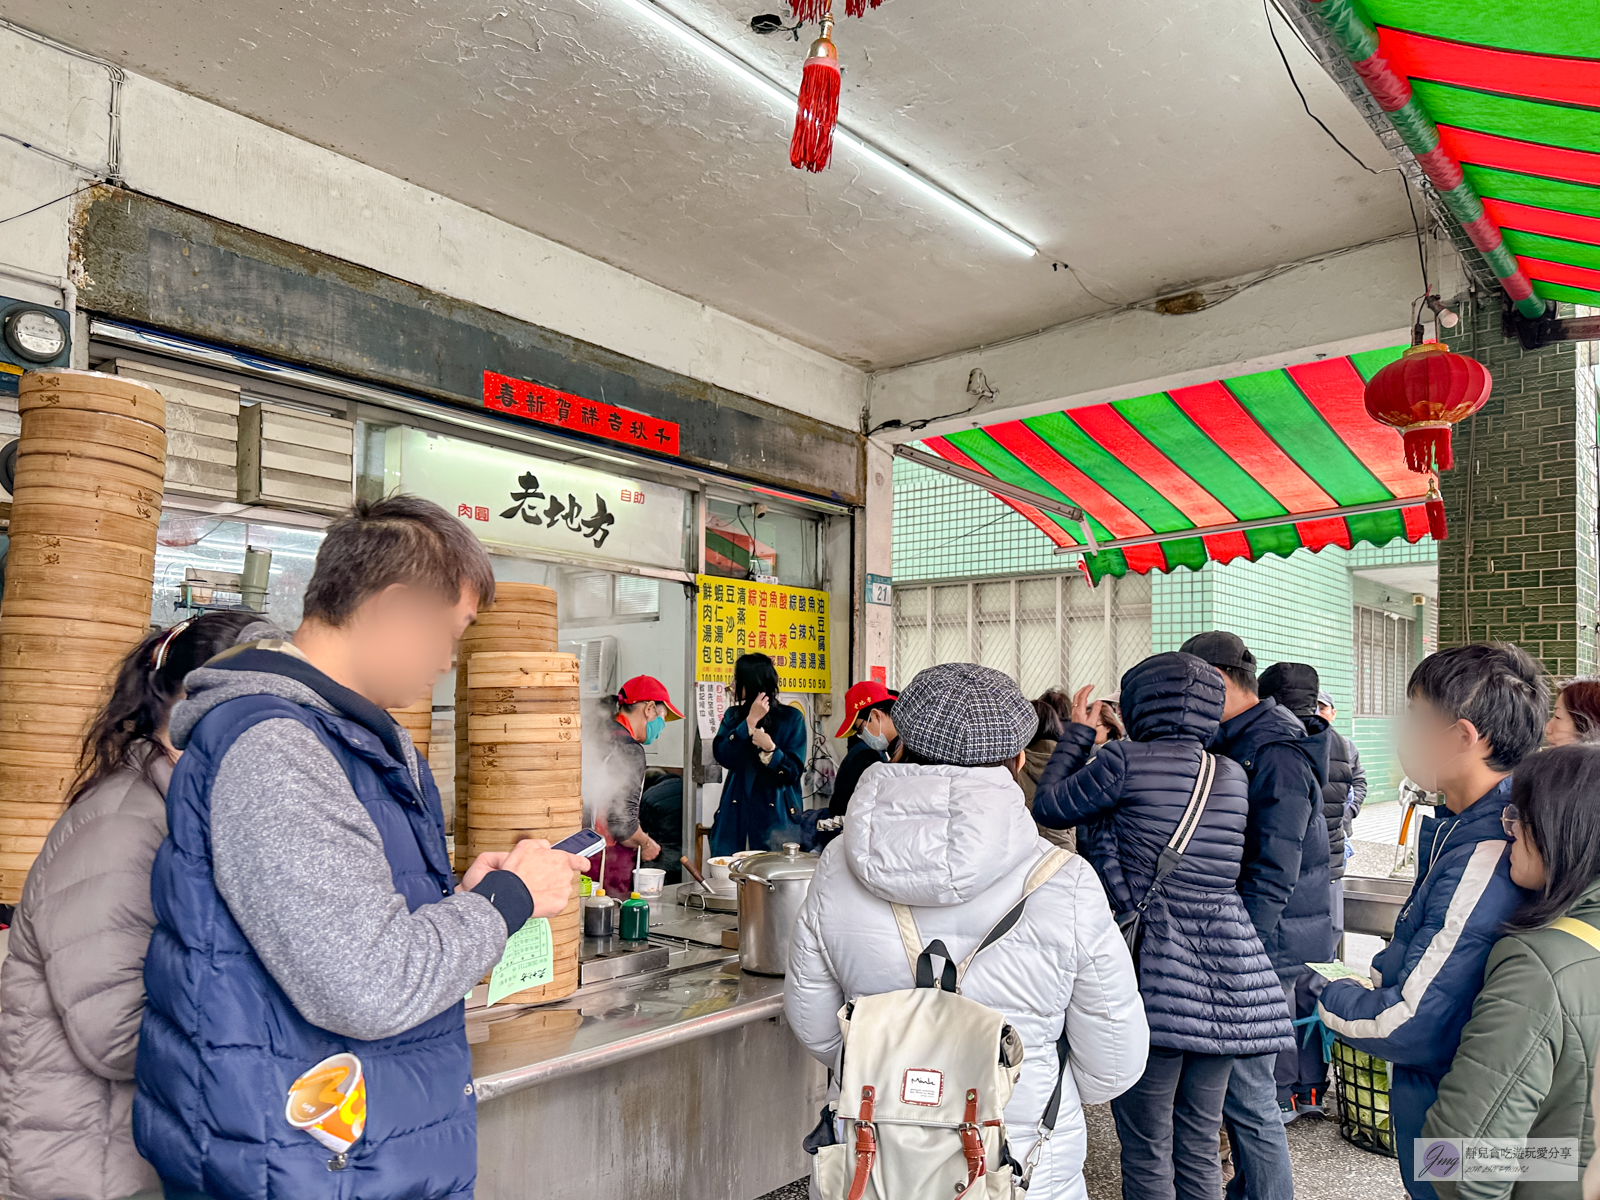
x=613 y=777
x=870 y=728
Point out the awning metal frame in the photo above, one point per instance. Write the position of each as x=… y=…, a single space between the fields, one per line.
x=999 y=487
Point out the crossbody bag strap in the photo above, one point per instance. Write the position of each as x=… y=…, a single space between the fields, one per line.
x=1581 y=930
x=1042 y=871
x=1188 y=824
x=909 y=937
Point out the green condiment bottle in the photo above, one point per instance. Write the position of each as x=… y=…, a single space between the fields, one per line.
x=635 y=919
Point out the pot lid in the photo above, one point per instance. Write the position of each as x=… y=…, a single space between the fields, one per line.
x=774 y=865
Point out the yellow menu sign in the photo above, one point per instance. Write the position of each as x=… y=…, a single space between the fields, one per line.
x=788 y=624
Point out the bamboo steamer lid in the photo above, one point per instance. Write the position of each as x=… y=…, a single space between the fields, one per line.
x=523 y=700
x=535 y=825
x=29 y=825
x=34 y=693
x=504 y=645
x=508 y=594
x=51 y=555
x=21 y=843
x=87 y=456
x=78 y=681
x=554 y=737
x=50 y=749
x=75 y=521
x=115 y=640
x=117 y=438
x=140 y=504
x=40 y=721
x=533 y=798
x=539 y=631
x=69 y=470
x=136 y=620
x=91 y=391
x=48 y=760
x=86 y=592
x=568 y=780
x=42 y=786
x=514 y=757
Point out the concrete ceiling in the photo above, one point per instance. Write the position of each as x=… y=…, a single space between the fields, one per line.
x=1152 y=144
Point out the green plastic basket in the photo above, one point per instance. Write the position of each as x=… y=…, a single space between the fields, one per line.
x=1363 y=1083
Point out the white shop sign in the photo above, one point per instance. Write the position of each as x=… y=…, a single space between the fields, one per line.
x=521 y=502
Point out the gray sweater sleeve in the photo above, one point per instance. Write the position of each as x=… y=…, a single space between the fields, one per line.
x=302 y=869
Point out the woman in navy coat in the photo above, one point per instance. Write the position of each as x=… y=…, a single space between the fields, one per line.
x=762 y=747
x=1209 y=989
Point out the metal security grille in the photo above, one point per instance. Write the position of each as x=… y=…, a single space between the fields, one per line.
x=1383 y=661
x=1044 y=631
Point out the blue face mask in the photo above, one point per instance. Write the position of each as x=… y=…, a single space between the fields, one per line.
x=875 y=740
x=653 y=728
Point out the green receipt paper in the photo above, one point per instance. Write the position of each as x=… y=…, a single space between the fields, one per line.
x=529 y=961
x=1330 y=971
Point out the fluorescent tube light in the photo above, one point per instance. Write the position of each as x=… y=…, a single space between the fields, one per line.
x=788 y=96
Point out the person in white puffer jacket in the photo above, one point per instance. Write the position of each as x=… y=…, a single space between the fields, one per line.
x=945 y=831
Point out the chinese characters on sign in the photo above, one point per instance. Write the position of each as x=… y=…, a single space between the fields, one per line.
x=513 y=500
x=525 y=505
x=788 y=624
x=532 y=402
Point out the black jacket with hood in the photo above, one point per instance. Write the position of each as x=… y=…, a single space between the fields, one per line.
x=1208 y=986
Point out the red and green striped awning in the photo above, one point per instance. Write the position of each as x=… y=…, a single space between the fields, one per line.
x=1250 y=449
x=1501 y=105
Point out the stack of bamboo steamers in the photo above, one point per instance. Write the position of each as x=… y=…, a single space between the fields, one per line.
x=84 y=514
x=518 y=752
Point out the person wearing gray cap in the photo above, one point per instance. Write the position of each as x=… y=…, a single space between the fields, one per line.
x=944 y=832
x=1329 y=712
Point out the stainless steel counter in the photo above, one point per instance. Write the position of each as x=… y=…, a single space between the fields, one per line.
x=683 y=1082
x=615 y=1021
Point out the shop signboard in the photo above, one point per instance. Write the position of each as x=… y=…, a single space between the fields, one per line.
x=580 y=414
x=516 y=501
x=738 y=616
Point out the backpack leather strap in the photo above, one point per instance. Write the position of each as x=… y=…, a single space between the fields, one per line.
x=866 y=1145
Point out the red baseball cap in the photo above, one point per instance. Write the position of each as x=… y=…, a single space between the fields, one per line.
x=863 y=695
x=647 y=687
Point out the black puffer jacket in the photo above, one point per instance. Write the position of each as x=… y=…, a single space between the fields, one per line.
x=1208 y=986
x=1335 y=793
x=1284 y=880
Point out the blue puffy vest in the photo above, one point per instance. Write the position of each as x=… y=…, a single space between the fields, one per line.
x=221 y=1042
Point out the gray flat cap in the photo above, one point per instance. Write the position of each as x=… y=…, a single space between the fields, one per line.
x=965 y=715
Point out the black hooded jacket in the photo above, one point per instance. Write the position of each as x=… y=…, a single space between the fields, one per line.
x=1285 y=878
x=1207 y=984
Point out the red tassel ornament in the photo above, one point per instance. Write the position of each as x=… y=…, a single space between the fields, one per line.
x=806 y=11
x=1435 y=510
x=858 y=8
x=811 y=148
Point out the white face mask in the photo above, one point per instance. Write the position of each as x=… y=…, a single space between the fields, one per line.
x=875 y=740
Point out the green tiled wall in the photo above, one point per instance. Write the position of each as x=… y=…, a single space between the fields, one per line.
x=947 y=529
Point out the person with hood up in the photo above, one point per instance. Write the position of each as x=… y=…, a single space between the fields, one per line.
x=944 y=831
x=1284 y=883
x=1209 y=991
x=1301 y=1074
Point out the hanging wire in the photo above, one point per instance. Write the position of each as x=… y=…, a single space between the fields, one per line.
x=1304 y=103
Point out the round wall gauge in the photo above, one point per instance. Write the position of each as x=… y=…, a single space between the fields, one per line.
x=34 y=334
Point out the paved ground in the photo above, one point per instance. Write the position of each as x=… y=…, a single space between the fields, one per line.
x=1326 y=1167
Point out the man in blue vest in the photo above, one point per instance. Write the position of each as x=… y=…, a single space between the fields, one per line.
x=305 y=906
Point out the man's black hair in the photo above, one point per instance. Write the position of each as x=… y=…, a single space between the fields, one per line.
x=1498 y=687
x=1244 y=679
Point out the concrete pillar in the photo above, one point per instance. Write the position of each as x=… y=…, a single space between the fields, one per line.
x=1520 y=563
x=875 y=648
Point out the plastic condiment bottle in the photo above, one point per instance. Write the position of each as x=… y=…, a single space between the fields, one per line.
x=599 y=915
x=635 y=918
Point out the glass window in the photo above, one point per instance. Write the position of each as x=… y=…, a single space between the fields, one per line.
x=212 y=544
x=1383 y=661
x=751 y=540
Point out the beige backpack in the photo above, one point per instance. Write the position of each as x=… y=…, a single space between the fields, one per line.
x=925 y=1076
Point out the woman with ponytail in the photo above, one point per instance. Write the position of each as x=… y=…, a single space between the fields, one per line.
x=72 y=987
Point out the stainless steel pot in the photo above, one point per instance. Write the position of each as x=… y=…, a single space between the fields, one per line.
x=772 y=887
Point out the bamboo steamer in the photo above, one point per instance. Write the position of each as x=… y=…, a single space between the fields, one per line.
x=90 y=391
x=55 y=560
x=118 y=439
x=521 y=619
x=84 y=515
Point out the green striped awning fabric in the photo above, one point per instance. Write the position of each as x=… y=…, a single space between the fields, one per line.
x=1514 y=89
x=1278 y=443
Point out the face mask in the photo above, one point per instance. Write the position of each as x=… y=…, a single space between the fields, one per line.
x=653 y=728
x=876 y=740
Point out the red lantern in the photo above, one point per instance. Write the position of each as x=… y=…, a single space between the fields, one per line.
x=1422 y=394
